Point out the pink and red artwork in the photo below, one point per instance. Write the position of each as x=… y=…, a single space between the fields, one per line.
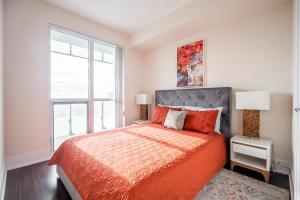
x=190 y=68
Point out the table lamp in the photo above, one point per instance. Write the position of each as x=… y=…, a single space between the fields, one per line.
x=143 y=100
x=251 y=103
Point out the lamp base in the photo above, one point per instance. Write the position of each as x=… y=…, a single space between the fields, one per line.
x=251 y=120
x=144 y=112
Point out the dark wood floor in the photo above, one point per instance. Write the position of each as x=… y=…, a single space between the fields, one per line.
x=41 y=182
x=35 y=182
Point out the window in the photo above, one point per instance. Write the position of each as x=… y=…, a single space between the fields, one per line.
x=85 y=85
x=69 y=66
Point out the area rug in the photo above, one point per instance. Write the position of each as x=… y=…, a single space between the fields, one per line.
x=228 y=185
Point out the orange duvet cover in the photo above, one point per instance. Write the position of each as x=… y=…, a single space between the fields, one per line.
x=144 y=161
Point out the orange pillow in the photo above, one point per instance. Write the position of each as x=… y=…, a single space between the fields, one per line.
x=160 y=114
x=201 y=121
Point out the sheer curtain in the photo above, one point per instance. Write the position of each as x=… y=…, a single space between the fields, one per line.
x=119 y=86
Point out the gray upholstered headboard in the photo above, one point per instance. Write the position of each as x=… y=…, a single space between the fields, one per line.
x=202 y=97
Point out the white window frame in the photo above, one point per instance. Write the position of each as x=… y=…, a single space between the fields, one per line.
x=90 y=100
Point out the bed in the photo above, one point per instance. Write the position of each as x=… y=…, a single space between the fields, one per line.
x=147 y=161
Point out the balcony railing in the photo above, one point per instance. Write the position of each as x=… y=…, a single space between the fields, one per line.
x=71 y=117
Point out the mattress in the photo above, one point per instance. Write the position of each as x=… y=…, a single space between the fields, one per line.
x=144 y=161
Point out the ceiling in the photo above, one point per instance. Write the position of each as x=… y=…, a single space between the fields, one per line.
x=150 y=23
x=199 y=16
x=126 y=16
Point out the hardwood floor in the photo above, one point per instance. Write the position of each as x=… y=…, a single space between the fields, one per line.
x=35 y=182
x=41 y=182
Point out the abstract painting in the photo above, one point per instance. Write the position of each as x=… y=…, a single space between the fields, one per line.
x=190 y=68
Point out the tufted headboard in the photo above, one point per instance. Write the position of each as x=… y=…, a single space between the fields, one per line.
x=202 y=97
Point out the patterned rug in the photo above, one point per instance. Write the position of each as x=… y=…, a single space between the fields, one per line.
x=234 y=186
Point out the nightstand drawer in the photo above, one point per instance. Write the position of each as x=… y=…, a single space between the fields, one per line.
x=249 y=150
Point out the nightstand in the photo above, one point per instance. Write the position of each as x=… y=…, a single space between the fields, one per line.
x=139 y=121
x=250 y=153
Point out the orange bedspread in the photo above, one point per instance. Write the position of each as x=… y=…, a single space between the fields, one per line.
x=141 y=162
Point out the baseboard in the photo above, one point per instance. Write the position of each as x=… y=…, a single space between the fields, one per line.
x=281 y=166
x=18 y=161
x=3 y=181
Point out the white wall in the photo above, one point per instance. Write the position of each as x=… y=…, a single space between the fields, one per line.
x=251 y=53
x=134 y=84
x=27 y=113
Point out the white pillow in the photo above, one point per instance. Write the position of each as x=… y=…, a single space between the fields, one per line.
x=218 y=120
x=180 y=107
x=175 y=119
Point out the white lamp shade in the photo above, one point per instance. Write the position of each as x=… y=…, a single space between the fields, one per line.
x=253 y=100
x=143 y=99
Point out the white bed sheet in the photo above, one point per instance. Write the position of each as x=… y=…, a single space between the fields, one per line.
x=68 y=184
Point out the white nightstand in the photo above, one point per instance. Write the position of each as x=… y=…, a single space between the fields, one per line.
x=253 y=154
x=139 y=121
